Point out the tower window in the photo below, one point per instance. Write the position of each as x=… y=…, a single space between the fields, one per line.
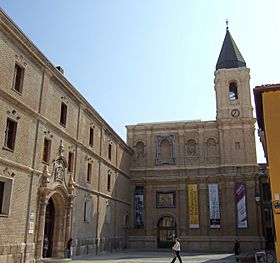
x=233 y=91
x=10 y=134
x=63 y=114
x=18 y=78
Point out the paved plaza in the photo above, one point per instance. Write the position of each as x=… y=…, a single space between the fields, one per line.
x=155 y=257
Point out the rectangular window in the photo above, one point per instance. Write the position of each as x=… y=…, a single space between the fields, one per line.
x=1 y=195
x=109 y=182
x=91 y=134
x=6 y=185
x=47 y=151
x=10 y=134
x=87 y=211
x=18 y=78
x=70 y=162
x=89 y=171
x=110 y=151
x=63 y=114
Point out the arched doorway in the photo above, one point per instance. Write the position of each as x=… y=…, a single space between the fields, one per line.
x=167 y=230
x=49 y=227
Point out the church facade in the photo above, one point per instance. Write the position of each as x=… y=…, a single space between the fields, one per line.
x=198 y=179
x=65 y=173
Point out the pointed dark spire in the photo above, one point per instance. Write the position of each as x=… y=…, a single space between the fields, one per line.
x=230 y=56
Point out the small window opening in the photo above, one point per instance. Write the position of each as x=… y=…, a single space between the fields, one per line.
x=18 y=78
x=63 y=114
x=70 y=162
x=110 y=151
x=109 y=182
x=91 y=135
x=10 y=134
x=237 y=145
x=233 y=91
x=89 y=172
x=47 y=151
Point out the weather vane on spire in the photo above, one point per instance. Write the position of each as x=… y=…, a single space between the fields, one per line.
x=227 y=23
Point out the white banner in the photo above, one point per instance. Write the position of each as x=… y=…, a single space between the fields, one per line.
x=214 y=206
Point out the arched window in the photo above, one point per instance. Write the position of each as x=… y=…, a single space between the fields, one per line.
x=233 y=95
x=167 y=221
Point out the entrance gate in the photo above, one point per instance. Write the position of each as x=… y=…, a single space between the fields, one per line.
x=167 y=230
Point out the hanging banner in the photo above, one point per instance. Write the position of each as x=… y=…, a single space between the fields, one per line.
x=193 y=206
x=139 y=206
x=240 y=193
x=214 y=206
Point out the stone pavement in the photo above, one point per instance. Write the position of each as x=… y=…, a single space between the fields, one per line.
x=130 y=256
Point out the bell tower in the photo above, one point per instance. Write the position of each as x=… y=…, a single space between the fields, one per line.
x=232 y=83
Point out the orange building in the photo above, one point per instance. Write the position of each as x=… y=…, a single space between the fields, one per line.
x=267 y=99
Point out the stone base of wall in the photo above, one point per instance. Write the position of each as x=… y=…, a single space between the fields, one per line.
x=142 y=242
x=201 y=243
x=16 y=252
x=100 y=246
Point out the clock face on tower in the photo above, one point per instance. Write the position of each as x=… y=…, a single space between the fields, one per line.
x=235 y=112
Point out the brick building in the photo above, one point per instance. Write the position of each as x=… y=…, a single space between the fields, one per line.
x=65 y=173
x=63 y=170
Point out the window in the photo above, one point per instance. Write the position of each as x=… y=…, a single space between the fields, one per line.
x=109 y=181
x=91 y=135
x=63 y=114
x=47 y=151
x=87 y=210
x=233 y=91
x=18 y=78
x=5 y=195
x=89 y=171
x=70 y=162
x=110 y=151
x=1 y=195
x=10 y=134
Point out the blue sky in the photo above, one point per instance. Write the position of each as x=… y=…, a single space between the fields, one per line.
x=150 y=60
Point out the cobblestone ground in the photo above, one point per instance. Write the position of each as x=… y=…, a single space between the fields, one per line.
x=154 y=257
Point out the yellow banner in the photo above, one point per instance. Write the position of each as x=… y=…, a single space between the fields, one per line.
x=193 y=206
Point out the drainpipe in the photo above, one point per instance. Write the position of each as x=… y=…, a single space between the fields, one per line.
x=98 y=190
x=32 y=172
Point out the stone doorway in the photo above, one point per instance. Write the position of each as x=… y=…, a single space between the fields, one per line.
x=49 y=226
x=167 y=231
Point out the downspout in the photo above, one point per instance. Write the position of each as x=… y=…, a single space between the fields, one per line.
x=32 y=173
x=98 y=190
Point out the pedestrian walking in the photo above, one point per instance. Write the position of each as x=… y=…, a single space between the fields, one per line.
x=45 y=246
x=176 y=249
x=69 y=248
x=236 y=249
